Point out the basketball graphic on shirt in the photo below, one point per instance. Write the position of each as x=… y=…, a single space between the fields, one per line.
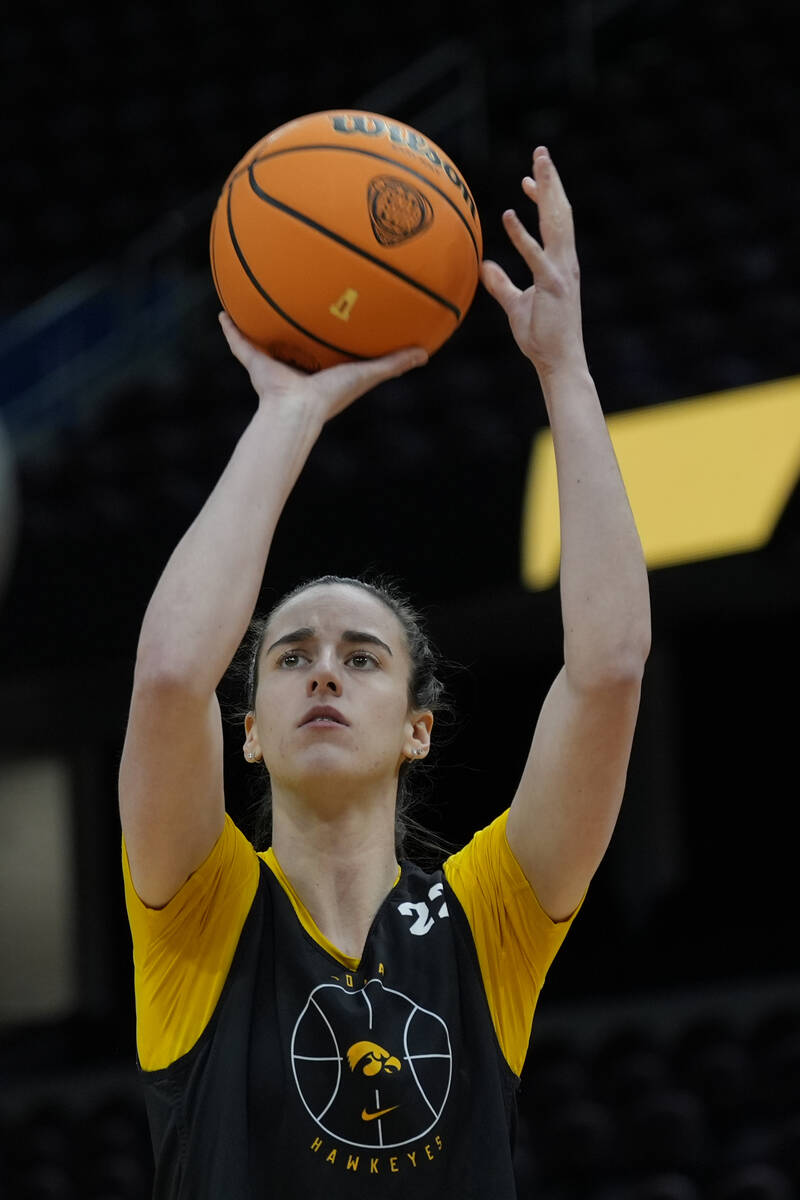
x=372 y=1067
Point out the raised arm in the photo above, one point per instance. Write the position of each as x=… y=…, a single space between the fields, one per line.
x=171 y=776
x=568 y=799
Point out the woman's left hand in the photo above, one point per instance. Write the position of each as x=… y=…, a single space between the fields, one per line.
x=545 y=318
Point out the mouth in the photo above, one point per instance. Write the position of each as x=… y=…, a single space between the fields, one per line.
x=324 y=716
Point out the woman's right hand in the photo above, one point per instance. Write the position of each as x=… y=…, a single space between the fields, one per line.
x=332 y=389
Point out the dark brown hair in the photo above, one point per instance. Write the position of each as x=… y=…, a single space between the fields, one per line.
x=425 y=691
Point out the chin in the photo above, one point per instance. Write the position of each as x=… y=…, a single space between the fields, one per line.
x=329 y=764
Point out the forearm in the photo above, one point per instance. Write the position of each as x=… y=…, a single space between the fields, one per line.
x=604 y=588
x=204 y=600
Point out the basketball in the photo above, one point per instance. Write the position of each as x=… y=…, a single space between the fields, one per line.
x=344 y=235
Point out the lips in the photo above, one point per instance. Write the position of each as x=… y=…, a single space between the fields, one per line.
x=324 y=712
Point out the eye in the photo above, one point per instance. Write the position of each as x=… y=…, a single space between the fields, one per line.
x=290 y=659
x=361 y=660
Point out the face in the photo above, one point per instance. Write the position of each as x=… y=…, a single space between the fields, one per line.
x=339 y=648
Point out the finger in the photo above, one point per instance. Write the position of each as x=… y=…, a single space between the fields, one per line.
x=498 y=285
x=389 y=366
x=353 y=379
x=555 y=211
x=240 y=346
x=524 y=242
x=531 y=189
x=545 y=174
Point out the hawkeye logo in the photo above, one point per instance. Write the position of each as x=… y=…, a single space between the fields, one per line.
x=372 y=1059
x=373 y=1070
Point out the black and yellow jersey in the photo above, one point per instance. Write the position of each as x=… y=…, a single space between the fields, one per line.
x=274 y=1066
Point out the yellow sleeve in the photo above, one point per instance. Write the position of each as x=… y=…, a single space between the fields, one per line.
x=182 y=952
x=515 y=939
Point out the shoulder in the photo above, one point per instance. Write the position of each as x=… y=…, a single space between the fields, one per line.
x=229 y=873
x=486 y=858
x=494 y=891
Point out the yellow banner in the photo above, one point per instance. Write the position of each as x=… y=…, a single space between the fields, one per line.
x=705 y=476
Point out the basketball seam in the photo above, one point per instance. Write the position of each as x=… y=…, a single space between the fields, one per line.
x=381 y=158
x=337 y=237
x=273 y=303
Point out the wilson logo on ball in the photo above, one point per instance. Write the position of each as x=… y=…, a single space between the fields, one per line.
x=397 y=210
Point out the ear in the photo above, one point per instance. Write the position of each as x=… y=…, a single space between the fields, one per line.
x=252 y=746
x=418 y=739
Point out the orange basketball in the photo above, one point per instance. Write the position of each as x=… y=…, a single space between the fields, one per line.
x=345 y=235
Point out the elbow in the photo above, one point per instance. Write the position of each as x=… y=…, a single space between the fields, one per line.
x=631 y=663
x=634 y=653
x=153 y=661
x=158 y=669
x=611 y=667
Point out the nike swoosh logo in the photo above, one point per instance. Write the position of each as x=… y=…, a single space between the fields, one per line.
x=366 y=1116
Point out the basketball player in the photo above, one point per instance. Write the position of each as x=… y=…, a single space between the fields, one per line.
x=320 y=1019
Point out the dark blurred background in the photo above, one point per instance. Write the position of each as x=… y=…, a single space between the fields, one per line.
x=674 y=128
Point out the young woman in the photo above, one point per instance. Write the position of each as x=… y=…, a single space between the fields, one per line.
x=321 y=1019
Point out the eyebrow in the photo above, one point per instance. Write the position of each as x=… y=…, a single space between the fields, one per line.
x=306 y=634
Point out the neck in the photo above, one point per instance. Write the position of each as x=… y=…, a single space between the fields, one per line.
x=341 y=861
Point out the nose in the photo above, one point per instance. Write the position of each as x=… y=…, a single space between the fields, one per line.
x=325 y=676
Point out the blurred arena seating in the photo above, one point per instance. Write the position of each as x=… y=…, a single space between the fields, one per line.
x=695 y=1101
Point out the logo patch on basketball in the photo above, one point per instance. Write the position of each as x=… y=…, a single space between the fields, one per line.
x=397 y=211
x=373 y=1068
